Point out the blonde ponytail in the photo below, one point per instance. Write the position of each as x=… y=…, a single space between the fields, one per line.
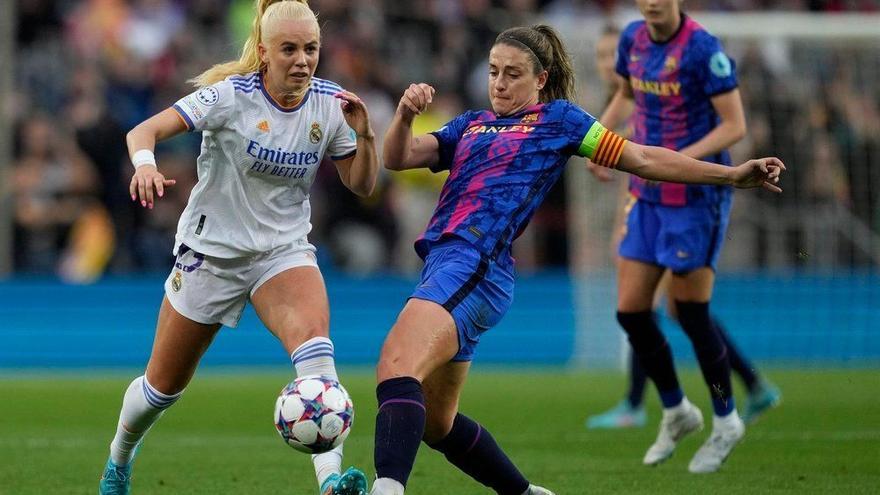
x=250 y=55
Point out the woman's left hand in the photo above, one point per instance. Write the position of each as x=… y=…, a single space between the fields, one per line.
x=762 y=172
x=355 y=112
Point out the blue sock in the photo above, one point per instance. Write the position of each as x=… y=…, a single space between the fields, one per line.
x=400 y=424
x=711 y=353
x=671 y=398
x=653 y=352
x=473 y=450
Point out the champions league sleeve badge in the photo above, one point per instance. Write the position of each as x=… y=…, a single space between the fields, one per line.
x=720 y=65
x=315 y=134
x=208 y=96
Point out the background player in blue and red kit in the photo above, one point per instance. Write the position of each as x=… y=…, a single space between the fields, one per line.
x=762 y=394
x=685 y=92
x=501 y=164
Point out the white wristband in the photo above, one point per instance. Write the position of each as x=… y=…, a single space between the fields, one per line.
x=143 y=157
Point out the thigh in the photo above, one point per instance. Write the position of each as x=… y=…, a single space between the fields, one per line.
x=475 y=290
x=694 y=286
x=423 y=338
x=442 y=391
x=636 y=284
x=293 y=306
x=177 y=348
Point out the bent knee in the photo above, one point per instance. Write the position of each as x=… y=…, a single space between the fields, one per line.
x=438 y=424
x=397 y=360
x=394 y=365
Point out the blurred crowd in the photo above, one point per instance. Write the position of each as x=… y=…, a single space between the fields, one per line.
x=87 y=71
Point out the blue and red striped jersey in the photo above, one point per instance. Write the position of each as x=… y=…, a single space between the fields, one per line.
x=673 y=83
x=501 y=168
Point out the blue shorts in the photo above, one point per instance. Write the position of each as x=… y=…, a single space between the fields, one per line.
x=475 y=290
x=680 y=238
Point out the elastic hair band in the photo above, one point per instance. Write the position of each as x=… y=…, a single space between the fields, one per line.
x=520 y=43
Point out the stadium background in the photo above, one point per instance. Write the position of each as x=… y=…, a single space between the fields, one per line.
x=798 y=282
x=81 y=267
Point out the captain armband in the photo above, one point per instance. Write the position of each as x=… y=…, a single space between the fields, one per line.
x=601 y=146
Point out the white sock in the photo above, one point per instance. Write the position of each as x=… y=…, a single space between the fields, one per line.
x=725 y=421
x=327 y=464
x=141 y=407
x=315 y=357
x=387 y=486
x=684 y=404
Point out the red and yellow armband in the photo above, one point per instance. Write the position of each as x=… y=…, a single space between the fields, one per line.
x=601 y=146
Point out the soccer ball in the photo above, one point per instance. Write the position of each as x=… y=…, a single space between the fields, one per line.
x=314 y=414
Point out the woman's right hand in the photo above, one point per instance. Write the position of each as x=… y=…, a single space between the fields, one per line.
x=146 y=178
x=761 y=172
x=415 y=100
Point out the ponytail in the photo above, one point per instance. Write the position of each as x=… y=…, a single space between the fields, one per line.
x=250 y=54
x=543 y=45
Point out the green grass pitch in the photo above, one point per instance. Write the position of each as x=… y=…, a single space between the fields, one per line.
x=219 y=439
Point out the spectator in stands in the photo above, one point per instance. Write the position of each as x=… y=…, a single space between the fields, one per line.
x=53 y=185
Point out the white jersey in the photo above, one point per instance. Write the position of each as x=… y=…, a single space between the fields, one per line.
x=257 y=164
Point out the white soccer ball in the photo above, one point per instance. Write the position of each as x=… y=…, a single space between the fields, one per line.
x=314 y=414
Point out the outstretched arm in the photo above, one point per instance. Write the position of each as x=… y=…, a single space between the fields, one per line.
x=661 y=164
x=402 y=151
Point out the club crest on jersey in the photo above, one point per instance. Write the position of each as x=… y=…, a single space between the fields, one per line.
x=529 y=118
x=177 y=282
x=315 y=134
x=208 y=96
x=671 y=63
x=263 y=126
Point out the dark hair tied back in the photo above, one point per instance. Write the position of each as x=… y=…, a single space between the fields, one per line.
x=546 y=51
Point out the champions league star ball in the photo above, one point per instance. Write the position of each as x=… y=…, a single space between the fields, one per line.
x=314 y=414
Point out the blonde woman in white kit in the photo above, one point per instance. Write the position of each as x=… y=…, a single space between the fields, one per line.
x=266 y=124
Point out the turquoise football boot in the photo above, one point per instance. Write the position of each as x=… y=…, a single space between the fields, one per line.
x=764 y=397
x=622 y=415
x=116 y=480
x=351 y=482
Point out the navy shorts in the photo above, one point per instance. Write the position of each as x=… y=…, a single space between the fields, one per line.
x=680 y=238
x=475 y=289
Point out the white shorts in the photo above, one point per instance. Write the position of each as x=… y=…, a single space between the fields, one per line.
x=212 y=290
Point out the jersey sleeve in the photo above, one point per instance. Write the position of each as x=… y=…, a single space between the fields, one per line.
x=207 y=108
x=343 y=143
x=623 y=47
x=592 y=140
x=448 y=137
x=715 y=70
